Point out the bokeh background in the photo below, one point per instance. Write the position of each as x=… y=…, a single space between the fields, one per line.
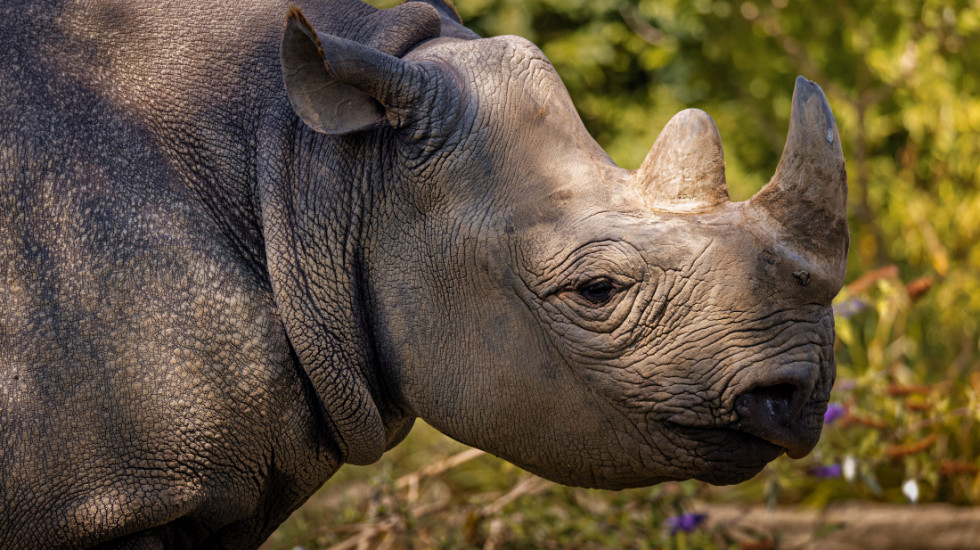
x=902 y=78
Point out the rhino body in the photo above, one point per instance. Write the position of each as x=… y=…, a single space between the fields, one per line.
x=234 y=257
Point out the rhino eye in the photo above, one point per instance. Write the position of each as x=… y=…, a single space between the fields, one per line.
x=597 y=291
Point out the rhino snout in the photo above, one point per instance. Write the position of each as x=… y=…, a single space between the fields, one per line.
x=778 y=410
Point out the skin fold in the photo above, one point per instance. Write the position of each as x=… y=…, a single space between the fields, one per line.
x=243 y=245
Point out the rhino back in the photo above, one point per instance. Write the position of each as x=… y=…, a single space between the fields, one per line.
x=143 y=367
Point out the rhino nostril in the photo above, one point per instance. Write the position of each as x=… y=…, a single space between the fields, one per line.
x=777 y=401
x=771 y=412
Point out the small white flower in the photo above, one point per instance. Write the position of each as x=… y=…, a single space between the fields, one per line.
x=911 y=490
x=849 y=468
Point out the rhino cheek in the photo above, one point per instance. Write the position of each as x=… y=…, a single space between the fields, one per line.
x=480 y=367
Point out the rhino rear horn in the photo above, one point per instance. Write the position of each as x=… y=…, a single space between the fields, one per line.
x=685 y=169
x=808 y=193
x=339 y=86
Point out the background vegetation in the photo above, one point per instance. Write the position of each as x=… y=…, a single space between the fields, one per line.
x=902 y=78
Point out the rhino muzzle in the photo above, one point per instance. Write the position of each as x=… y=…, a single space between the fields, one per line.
x=777 y=411
x=803 y=206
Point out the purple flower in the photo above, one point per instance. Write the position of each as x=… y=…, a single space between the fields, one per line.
x=826 y=472
x=685 y=522
x=850 y=307
x=834 y=411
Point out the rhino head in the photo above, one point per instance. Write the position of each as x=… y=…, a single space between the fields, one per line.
x=598 y=326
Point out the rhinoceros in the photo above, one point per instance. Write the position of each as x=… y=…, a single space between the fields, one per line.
x=242 y=245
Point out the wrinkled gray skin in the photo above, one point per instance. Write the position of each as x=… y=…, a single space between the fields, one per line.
x=235 y=257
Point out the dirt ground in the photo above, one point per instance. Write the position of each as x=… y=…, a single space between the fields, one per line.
x=855 y=526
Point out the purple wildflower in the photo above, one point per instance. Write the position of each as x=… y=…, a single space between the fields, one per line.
x=685 y=522
x=850 y=307
x=834 y=411
x=826 y=472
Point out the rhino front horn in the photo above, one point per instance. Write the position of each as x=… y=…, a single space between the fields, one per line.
x=808 y=193
x=685 y=169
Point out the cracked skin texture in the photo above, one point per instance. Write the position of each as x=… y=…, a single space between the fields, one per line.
x=209 y=303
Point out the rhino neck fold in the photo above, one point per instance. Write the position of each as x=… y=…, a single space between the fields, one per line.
x=314 y=214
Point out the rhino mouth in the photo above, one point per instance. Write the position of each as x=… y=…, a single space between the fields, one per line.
x=732 y=455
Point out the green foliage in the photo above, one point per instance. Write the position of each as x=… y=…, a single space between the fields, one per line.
x=903 y=79
x=898 y=422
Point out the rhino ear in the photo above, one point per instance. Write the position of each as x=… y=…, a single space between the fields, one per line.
x=338 y=86
x=452 y=23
